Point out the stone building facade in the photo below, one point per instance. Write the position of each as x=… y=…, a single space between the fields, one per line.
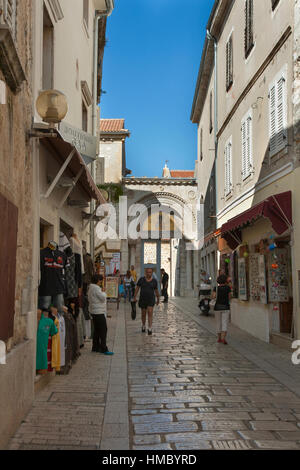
x=16 y=214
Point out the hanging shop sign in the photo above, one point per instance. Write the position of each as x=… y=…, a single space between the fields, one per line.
x=257 y=278
x=86 y=144
x=242 y=275
x=278 y=275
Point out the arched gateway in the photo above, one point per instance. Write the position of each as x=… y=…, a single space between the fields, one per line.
x=167 y=224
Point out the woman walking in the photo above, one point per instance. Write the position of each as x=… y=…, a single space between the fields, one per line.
x=149 y=289
x=97 y=308
x=222 y=294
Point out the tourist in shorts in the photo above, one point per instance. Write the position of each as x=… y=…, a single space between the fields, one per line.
x=222 y=294
x=149 y=289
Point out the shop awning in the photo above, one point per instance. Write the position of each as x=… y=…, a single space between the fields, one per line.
x=62 y=151
x=276 y=208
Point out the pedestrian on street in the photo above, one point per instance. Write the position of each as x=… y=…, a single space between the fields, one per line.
x=149 y=289
x=97 y=307
x=222 y=294
x=165 y=285
x=133 y=273
x=128 y=279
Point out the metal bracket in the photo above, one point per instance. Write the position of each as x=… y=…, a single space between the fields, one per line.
x=58 y=176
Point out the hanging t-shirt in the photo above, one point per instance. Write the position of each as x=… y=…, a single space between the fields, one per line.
x=62 y=336
x=55 y=358
x=53 y=264
x=46 y=327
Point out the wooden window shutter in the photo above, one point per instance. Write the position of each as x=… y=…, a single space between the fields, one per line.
x=272 y=119
x=8 y=253
x=201 y=144
x=248 y=145
x=281 y=114
x=277 y=115
x=248 y=27
x=210 y=112
x=10 y=15
x=244 y=150
x=229 y=63
x=274 y=4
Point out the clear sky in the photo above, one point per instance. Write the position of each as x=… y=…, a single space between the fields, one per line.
x=151 y=63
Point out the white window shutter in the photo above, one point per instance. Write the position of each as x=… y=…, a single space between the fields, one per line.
x=248 y=145
x=228 y=168
x=281 y=114
x=244 y=150
x=230 y=165
x=272 y=117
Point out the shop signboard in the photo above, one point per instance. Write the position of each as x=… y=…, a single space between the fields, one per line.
x=112 y=287
x=257 y=278
x=86 y=144
x=242 y=274
x=278 y=275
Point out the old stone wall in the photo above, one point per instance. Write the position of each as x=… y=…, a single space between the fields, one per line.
x=16 y=166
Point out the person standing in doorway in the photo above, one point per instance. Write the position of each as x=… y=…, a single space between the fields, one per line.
x=222 y=294
x=97 y=308
x=165 y=285
x=149 y=289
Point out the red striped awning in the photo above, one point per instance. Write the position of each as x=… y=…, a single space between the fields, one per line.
x=276 y=208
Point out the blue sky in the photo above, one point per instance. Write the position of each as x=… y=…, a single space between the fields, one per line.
x=151 y=63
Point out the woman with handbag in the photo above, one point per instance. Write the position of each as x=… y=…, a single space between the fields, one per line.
x=222 y=294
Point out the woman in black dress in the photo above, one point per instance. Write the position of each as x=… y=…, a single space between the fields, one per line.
x=149 y=289
x=222 y=294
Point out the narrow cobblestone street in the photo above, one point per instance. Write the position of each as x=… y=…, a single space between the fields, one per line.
x=175 y=390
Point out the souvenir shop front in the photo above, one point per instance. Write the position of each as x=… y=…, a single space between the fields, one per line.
x=256 y=254
x=63 y=322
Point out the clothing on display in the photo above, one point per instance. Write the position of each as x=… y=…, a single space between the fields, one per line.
x=62 y=336
x=89 y=270
x=63 y=242
x=81 y=328
x=46 y=329
x=55 y=350
x=52 y=265
x=76 y=247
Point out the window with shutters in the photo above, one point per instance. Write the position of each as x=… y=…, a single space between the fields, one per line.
x=228 y=167
x=278 y=114
x=274 y=4
x=229 y=64
x=249 y=42
x=201 y=144
x=210 y=112
x=8 y=15
x=247 y=154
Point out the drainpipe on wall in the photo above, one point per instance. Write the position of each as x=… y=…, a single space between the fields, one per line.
x=98 y=17
x=212 y=38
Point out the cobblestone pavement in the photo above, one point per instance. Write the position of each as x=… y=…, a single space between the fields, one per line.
x=175 y=390
x=189 y=392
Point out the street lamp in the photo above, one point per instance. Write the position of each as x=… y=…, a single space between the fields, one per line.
x=52 y=106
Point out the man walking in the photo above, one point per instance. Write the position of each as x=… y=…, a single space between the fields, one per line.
x=165 y=285
x=149 y=289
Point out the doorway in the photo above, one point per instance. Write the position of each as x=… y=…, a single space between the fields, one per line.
x=151 y=256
